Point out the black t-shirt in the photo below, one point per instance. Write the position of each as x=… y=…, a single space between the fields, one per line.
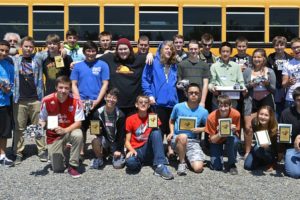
x=51 y=72
x=245 y=59
x=291 y=116
x=209 y=59
x=126 y=76
x=277 y=66
x=27 y=88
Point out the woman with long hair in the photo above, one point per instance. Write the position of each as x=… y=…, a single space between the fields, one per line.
x=261 y=83
x=159 y=84
x=263 y=155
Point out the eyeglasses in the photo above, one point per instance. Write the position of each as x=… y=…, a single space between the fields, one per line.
x=296 y=47
x=143 y=102
x=207 y=45
x=194 y=93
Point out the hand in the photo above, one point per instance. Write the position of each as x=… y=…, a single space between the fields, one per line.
x=131 y=153
x=196 y=130
x=72 y=65
x=245 y=92
x=152 y=100
x=264 y=146
x=297 y=143
x=292 y=81
x=253 y=84
x=95 y=103
x=60 y=131
x=214 y=91
x=63 y=53
x=170 y=136
x=149 y=59
x=233 y=128
x=117 y=154
x=266 y=83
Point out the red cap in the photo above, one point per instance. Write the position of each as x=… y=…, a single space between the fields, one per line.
x=124 y=41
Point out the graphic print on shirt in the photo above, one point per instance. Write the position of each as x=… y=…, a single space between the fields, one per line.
x=122 y=69
x=139 y=132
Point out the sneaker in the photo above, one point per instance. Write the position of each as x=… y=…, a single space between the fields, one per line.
x=73 y=172
x=18 y=160
x=6 y=162
x=43 y=157
x=163 y=171
x=233 y=170
x=96 y=163
x=181 y=171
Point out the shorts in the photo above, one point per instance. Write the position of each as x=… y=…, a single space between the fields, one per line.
x=193 y=149
x=6 y=122
x=266 y=101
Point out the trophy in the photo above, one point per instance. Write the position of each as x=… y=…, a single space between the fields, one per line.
x=34 y=131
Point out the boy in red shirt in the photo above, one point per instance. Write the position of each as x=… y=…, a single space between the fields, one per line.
x=145 y=144
x=67 y=112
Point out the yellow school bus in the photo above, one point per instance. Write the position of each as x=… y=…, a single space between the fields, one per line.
x=257 y=20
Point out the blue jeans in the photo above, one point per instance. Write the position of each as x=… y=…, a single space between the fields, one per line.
x=259 y=157
x=216 y=153
x=151 y=152
x=292 y=163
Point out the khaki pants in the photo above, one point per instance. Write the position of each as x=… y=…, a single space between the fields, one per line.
x=56 y=150
x=24 y=110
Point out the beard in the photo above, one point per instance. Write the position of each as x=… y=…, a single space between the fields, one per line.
x=13 y=50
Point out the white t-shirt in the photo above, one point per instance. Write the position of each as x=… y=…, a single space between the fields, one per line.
x=292 y=69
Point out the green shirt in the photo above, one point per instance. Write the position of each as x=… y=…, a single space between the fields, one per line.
x=225 y=74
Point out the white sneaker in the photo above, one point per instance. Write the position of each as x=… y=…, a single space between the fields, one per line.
x=96 y=163
x=181 y=171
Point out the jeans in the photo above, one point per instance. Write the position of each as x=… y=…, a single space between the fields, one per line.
x=216 y=153
x=292 y=163
x=151 y=152
x=259 y=157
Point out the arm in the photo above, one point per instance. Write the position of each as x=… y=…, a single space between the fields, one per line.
x=204 y=92
x=101 y=93
x=62 y=131
x=147 y=80
x=131 y=150
x=271 y=86
x=172 y=128
x=75 y=90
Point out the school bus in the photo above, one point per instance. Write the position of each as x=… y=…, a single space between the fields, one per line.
x=257 y=20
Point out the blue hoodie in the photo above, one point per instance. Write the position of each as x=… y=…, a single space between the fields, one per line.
x=155 y=84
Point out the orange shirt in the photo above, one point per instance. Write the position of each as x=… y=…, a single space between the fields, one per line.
x=213 y=122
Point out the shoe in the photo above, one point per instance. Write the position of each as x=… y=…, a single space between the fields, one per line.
x=233 y=170
x=43 y=157
x=18 y=160
x=163 y=171
x=96 y=163
x=6 y=162
x=181 y=171
x=73 y=172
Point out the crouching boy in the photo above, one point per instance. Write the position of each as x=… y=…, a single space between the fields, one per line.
x=144 y=144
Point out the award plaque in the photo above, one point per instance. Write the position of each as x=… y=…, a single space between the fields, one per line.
x=59 y=62
x=95 y=127
x=52 y=122
x=262 y=138
x=225 y=127
x=285 y=131
x=152 y=120
x=187 y=123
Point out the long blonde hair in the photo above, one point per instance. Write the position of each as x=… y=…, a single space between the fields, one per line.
x=272 y=124
x=172 y=59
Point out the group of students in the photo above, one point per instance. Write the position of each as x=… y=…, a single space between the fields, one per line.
x=138 y=98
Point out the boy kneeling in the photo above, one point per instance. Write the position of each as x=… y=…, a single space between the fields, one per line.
x=111 y=139
x=184 y=139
